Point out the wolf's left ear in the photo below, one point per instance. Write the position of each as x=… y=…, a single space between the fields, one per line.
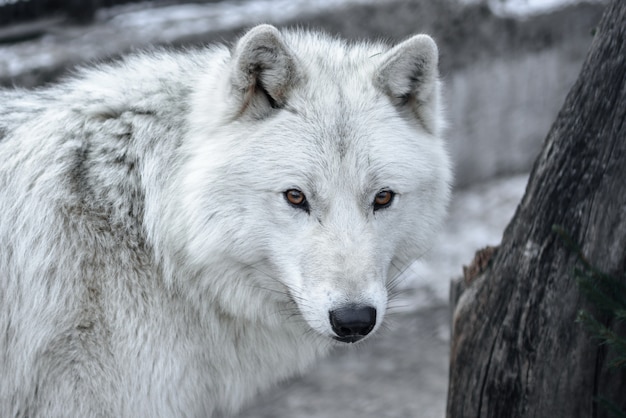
x=263 y=71
x=409 y=76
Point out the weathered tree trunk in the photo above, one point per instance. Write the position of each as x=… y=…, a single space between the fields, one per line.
x=517 y=350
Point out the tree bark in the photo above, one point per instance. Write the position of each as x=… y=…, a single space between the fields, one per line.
x=517 y=350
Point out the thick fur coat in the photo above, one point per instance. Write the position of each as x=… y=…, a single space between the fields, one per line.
x=180 y=230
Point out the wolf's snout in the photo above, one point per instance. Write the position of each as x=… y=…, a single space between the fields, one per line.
x=352 y=323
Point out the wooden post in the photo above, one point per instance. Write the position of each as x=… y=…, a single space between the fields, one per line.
x=517 y=350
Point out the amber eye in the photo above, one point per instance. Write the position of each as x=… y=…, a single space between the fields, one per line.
x=297 y=199
x=383 y=199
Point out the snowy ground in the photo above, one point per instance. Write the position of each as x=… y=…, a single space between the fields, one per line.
x=527 y=8
x=478 y=216
x=403 y=371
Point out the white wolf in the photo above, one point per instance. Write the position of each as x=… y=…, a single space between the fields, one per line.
x=182 y=229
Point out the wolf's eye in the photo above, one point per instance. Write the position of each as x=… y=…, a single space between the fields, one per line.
x=383 y=199
x=297 y=199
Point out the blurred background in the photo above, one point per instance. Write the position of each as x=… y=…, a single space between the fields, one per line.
x=507 y=66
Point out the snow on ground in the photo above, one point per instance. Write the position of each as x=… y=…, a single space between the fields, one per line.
x=221 y=15
x=477 y=218
x=526 y=8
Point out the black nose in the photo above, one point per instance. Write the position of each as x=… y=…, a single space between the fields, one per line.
x=352 y=323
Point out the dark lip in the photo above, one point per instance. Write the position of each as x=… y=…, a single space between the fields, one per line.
x=350 y=339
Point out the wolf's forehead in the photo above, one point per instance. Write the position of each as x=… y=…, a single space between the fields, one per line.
x=341 y=99
x=342 y=113
x=336 y=124
x=337 y=64
x=344 y=141
x=345 y=126
x=337 y=92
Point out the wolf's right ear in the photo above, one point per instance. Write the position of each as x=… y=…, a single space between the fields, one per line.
x=409 y=76
x=263 y=71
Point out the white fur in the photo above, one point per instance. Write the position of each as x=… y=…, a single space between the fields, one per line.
x=150 y=264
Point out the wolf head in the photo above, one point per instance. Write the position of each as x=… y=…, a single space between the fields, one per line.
x=317 y=167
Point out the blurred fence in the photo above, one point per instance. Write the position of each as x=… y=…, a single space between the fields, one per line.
x=18 y=11
x=22 y=20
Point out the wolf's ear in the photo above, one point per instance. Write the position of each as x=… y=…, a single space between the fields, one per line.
x=409 y=76
x=263 y=71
